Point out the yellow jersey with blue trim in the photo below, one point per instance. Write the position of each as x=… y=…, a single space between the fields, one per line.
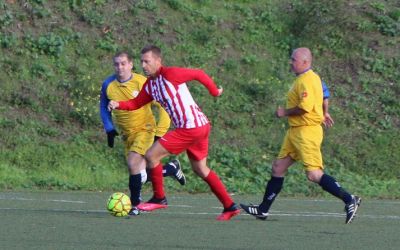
x=306 y=93
x=130 y=121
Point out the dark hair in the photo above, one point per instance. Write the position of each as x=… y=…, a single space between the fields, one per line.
x=123 y=53
x=156 y=50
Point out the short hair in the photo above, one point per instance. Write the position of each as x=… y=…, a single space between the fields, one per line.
x=123 y=53
x=154 y=49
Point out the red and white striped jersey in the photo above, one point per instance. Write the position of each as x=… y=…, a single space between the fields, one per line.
x=170 y=90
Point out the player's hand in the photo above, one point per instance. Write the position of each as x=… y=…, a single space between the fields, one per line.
x=220 y=90
x=328 y=121
x=110 y=137
x=112 y=105
x=280 y=112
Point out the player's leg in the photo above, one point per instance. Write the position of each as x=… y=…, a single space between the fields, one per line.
x=172 y=169
x=213 y=181
x=272 y=189
x=153 y=158
x=173 y=142
x=332 y=186
x=315 y=173
x=329 y=184
x=197 y=153
x=136 y=145
x=217 y=187
x=274 y=185
x=312 y=159
x=136 y=165
x=286 y=158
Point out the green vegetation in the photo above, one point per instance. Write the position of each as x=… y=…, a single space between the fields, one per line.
x=55 y=54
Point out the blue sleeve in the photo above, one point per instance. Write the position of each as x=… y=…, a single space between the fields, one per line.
x=325 y=89
x=104 y=113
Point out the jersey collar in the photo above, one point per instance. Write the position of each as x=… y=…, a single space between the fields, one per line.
x=297 y=74
x=122 y=82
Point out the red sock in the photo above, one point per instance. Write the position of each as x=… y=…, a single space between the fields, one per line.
x=218 y=188
x=157 y=181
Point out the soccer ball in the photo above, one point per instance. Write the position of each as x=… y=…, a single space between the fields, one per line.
x=119 y=204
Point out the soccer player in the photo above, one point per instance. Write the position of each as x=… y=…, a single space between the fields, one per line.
x=167 y=85
x=303 y=139
x=139 y=128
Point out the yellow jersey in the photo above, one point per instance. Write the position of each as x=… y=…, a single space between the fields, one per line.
x=130 y=121
x=306 y=93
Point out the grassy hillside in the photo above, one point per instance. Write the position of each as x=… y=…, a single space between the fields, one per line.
x=55 y=54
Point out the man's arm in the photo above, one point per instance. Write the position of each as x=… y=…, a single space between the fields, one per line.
x=106 y=116
x=142 y=99
x=104 y=113
x=282 y=112
x=180 y=75
x=328 y=121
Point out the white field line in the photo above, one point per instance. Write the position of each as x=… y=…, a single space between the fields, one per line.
x=211 y=197
x=305 y=214
x=272 y=213
x=275 y=213
x=30 y=199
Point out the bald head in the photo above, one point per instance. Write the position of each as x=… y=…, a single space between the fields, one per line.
x=303 y=54
x=301 y=60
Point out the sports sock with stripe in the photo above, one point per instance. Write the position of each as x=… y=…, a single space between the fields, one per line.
x=274 y=186
x=329 y=184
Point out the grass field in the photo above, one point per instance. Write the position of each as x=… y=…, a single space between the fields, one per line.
x=78 y=220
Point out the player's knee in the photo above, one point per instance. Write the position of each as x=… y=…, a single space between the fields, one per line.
x=201 y=171
x=311 y=178
x=314 y=176
x=133 y=168
x=150 y=159
x=277 y=169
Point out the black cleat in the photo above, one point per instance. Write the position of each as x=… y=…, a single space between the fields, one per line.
x=255 y=211
x=179 y=176
x=134 y=211
x=154 y=200
x=351 y=208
